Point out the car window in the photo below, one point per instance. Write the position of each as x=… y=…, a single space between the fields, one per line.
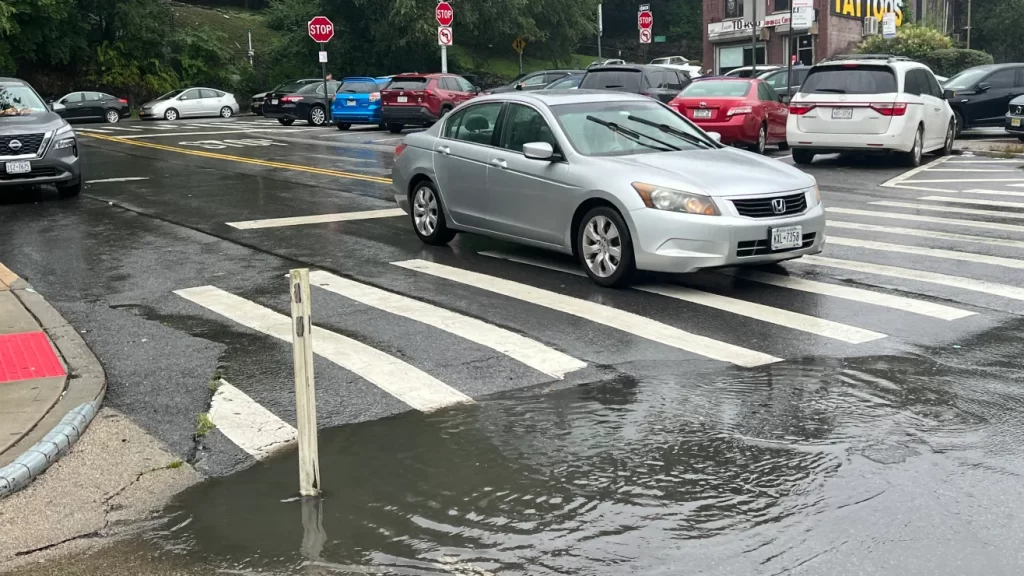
x=966 y=79
x=657 y=78
x=464 y=85
x=1002 y=79
x=93 y=96
x=473 y=124
x=566 y=83
x=73 y=97
x=20 y=100
x=717 y=88
x=208 y=93
x=672 y=81
x=587 y=127
x=773 y=96
x=523 y=125
x=849 y=79
x=762 y=93
x=408 y=84
x=618 y=80
x=912 y=83
x=933 y=84
x=552 y=76
x=535 y=80
x=660 y=61
x=192 y=94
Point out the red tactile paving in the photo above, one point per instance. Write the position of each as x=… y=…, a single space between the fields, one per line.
x=26 y=356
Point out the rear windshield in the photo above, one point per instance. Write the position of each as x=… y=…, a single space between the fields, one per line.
x=618 y=80
x=360 y=87
x=849 y=79
x=291 y=87
x=408 y=84
x=717 y=88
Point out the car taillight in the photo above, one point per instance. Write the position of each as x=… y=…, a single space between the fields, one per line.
x=122 y=100
x=374 y=96
x=292 y=99
x=801 y=109
x=739 y=110
x=399 y=149
x=890 y=108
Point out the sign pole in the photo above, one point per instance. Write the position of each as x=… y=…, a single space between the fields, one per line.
x=305 y=389
x=753 y=48
x=600 y=30
x=789 y=57
x=323 y=71
x=444 y=59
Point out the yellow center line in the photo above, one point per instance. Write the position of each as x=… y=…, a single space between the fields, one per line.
x=268 y=163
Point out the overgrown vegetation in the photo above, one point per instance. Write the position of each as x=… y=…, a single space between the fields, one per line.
x=203 y=425
x=926 y=45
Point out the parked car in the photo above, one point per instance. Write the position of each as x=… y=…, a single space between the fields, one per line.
x=567 y=82
x=298 y=101
x=358 y=101
x=37 y=146
x=743 y=111
x=777 y=80
x=654 y=81
x=870 y=104
x=257 y=99
x=611 y=62
x=621 y=181
x=980 y=96
x=678 y=63
x=750 y=71
x=422 y=99
x=1014 y=121
x=94 y=106
x=533 y=81
x=190 y=103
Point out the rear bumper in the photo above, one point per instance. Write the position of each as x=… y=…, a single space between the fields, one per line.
x=740 y=129
x=408 y=115
x=345 y=115
x=898 y=138
x=287 y=112
x=257 y=107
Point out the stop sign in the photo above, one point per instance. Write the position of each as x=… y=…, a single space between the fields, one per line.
x=321 y=29
x=444 y=14
x=645 y=20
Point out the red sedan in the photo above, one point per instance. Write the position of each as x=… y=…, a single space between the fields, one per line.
x=744 y=111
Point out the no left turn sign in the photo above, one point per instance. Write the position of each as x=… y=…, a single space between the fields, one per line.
x=645 y=36
x=444 y=36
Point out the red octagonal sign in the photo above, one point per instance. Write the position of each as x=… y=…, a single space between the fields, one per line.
x=444 y=14
x=321 y=29
x=645 y=20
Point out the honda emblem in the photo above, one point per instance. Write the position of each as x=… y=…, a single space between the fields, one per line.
x=779 y=205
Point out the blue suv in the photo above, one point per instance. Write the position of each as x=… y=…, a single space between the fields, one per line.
x=358 y=101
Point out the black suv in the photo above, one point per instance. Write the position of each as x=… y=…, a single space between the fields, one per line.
x=981 y=95
x=654 y=81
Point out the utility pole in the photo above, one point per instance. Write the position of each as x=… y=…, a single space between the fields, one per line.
x=753 y=47
x=968 y=24
x=789 y=57
x=600 y=30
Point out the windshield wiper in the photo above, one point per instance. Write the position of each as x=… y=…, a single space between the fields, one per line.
x=831 y=90
x=634 y=135
x=670 y=130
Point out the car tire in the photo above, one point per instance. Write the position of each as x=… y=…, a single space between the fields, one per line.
x=317 y=116
x=286 y=121
x=226 y=112
x=343 y=126
x=382 y=126
x=1021 y=138
x=396 y=128
x=112 y=117
x=70 y=190
x=171 y=115
x=427 y=215
x=444 y=111
x=758 y=147
x=802 y=156
x=783 y=146
x=596 y=239
x=912 y=159
x=947 y=146
x=958 y=120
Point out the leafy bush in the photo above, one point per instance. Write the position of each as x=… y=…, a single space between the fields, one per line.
x=912 y=41
x=951 y=61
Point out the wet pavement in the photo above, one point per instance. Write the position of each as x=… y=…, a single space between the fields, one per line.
x=883 y=437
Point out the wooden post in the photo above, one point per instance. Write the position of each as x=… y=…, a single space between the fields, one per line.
x=305 y=390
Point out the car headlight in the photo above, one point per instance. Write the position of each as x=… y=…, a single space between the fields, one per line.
x=64 y=137
x=661 y=198
x=813 y=195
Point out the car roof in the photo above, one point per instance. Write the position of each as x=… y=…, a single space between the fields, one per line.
x=12 y=81
x=358 y=79
x=554 y=97
x=727 y=79
x=630 y=67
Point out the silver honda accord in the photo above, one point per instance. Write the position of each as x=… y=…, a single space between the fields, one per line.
x=619 y=180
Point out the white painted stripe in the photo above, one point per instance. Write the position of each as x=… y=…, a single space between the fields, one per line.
x=855 y=294
x=918 y=275
x=105 y=180
x=171 y=134
x=1016 y=185
x=990 y=161
x=929 y=219
x=933 y=252
x=162 y=127
x=318 y=219
x=910 y=173
x=970 y=170
x=925 y=233
x=529 y=352
x=403 y=381
x=794 y=320
x=123 y=129
x=974 y=201
x=992 y=192
x=96 y=130
x=248 y=424
x=606 y=315
x=961 y=180
x=995 y=213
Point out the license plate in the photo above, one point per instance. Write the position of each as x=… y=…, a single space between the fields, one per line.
x=403 y=99
x=350 y=103
x=788 y=237
x=842 y=113
x=1015 y=122
x=702 y=113
x=274 y=101
x=20 y=167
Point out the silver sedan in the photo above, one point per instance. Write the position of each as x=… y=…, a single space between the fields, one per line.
x=619 y=180
x=190 y=103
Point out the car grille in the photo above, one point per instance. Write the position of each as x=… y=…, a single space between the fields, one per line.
x=42 y=172
x=762 y=247
x=763 y=207
x=30 y=144
x=1017 y=110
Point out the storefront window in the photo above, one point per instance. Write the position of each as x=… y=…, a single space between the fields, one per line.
x=781 y=5
x=804 y=49
x=730 y=57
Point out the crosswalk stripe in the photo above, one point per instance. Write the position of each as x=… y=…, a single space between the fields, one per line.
x=947 y=181
x=924 y=233
x=606 y=315
x=969 y=170
x=993 y=192
x=247 y=423
x=317 y=219
x=403 y=381
x=530 y=352
x=971 y=284
x=931 y=208
x=974 y=201
x=934 y=252
x=855 y=294
x=161 y=127
x=930 y=219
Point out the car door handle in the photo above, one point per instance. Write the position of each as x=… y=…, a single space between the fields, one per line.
x=499 y=163
x=444 y=149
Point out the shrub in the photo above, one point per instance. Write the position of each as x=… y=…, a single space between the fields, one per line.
x=951 y=61
x=913 y=41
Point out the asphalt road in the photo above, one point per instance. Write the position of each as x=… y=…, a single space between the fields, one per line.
x=173 y=265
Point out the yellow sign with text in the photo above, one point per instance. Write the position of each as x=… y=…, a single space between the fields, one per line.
x=868 y=9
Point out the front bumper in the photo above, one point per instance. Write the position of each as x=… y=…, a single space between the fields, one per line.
x=1009 y=124
x=408 y=115
x=54 y=166
x=150 y=114
x=680 y=243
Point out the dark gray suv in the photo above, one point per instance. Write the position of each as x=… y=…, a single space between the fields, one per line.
x=37 y=146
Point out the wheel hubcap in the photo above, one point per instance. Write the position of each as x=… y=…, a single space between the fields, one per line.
x=424 y=211
x=171 y=115
x=225 y=113
x=762 y=140
x=602 y=246
x=318 y=116
x=112 y=117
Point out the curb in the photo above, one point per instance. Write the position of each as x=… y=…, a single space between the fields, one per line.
x=67 y=421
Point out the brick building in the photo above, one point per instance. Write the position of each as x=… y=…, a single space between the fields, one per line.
x=838 y=26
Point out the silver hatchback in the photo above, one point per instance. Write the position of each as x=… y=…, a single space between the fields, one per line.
x=619 y=180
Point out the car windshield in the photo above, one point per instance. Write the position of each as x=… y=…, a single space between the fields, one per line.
x=849 y=79
x=618 y=80
x=19 y=100
x=660 y=61
x=565 y=83
x=358 y=87
x=171 y=94
x=626 y=128
x=716 y=89
x=966 y=79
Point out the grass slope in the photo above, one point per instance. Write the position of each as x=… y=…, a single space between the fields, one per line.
x=508 y=66
x=234 y=23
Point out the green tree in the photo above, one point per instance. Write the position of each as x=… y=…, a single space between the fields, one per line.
x=911 y=40
x=997 y=26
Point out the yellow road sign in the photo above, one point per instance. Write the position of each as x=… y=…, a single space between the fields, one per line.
x=518 y=44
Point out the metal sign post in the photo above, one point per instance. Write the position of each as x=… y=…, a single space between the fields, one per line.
x=322 y=30
x=519 y=45
x=753 y=49
x=444 y=16
x=792 y=40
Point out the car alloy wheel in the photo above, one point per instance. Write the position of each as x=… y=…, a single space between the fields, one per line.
x=171 y=115
x=602 y=246
x=225 y=112
x=947 y=146
x=317 y=117
x=424 y=211
x=113 y=117
x=762 y=141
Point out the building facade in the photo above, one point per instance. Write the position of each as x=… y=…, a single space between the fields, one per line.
x=738 y=31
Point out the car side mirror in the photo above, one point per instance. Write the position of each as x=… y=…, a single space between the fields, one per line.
x=715 y=136
x=984 y=87
x=58 y=107
x=538 y=151
x=948 y=94
x=519 y=86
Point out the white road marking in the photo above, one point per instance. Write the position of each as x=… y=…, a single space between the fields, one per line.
x=606 y=315
x=969 y=170
x=409 y=384
x=123 y=129
x=959 y=180
x=992 y=161
x=248 y=424
x=171 y=134
x=924 y=233
x=105 y=180
x=317 y=219
x=930 y=219
x=992 y=192
x=933 y=252
x=994 y=213
x=530 y=352
x=918 y=275
x=974 y=201
x=855 y=294
x=892 y=183
x=96 y=130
